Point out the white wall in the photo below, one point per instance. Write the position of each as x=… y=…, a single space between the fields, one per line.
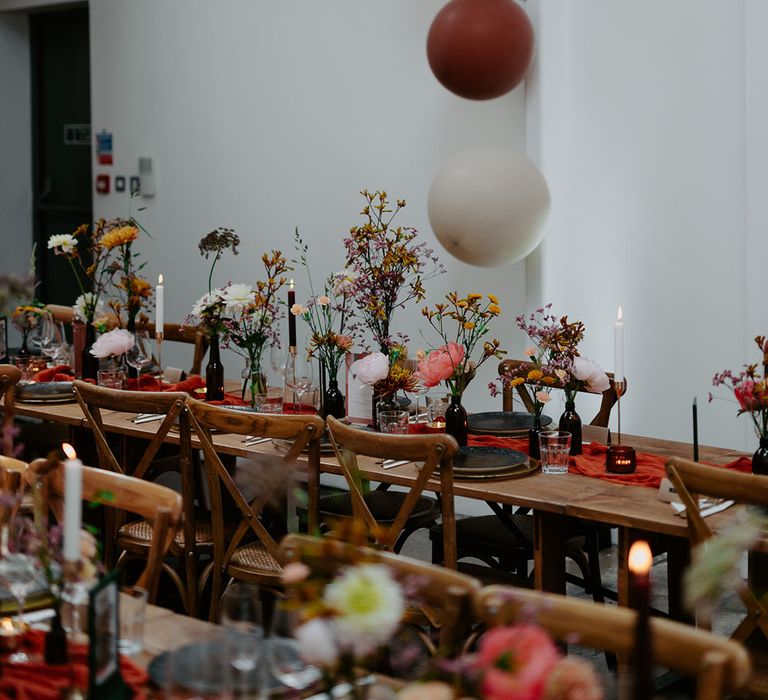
x=15 y=146
x=638 y=122
x=264 y=116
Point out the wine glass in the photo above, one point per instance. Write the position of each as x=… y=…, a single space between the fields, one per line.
x=241 y=618
x=299 y=378
x=283 y=652
x=279 y=360
x=39 y=335
x=52 y=337
x=199 y=670
x=418 y=391
x=18 y=573
x=140 y=354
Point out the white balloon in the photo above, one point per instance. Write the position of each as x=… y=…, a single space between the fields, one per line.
x=488 y=206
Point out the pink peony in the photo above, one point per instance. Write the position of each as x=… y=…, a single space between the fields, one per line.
x=594 y=378
x=515 y=662
x=440 y=364
x=573 y=679
x=116 y=342
x=371 y=368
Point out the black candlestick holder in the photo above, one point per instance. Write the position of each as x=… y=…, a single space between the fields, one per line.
x=620 y=459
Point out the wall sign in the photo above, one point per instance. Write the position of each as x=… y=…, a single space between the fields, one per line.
x=104 y=147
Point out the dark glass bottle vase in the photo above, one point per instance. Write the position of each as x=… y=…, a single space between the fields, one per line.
x=24 y=352
x=456 y=420
x=533 y=439
x=89 y=363
x=382 y=403
x=571 y=422
x=333 y=401
x=760 y=458
x=214 y=372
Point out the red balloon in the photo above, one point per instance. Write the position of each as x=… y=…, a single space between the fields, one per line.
x=480 y=49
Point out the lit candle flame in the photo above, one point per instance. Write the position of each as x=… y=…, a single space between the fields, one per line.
x=640 y=558
x=69 y=450
x=160 y=279
x=6 y=626
x=619 y=315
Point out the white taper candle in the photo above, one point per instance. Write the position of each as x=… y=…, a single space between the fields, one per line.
x=73 y=504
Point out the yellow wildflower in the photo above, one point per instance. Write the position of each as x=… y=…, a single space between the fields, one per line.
x=548 y=380
x=517 y=381
x=474 y=296
x=494 y=309
x=119 y=236
x=535 y=374
x=469 y=325
x=462 y=304
x=493 y=299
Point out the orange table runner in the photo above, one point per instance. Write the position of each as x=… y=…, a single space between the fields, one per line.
x=39 y=681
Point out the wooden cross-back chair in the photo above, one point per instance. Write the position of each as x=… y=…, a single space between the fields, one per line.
x=156 y=504
x=391 y=521
x=720 y=666
x=9 y=378
x=195 y=538
x=184 y=333
x=247 y=551
x=602 y=417
x=448 y=594
x=691 y=480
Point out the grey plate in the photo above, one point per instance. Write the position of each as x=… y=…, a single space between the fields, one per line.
x=504 y=423
x=45 y=392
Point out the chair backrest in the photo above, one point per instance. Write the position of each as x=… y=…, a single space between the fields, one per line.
x=9 y=377
x=158 y=504
x=436 y=452
x=506 y=367
x=720 y=665
x=448 y=593
x=182 y=333
x=95 y=399
x=300 y=432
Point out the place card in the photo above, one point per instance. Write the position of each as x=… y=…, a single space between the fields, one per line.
x=359 y=395
x=104 y=678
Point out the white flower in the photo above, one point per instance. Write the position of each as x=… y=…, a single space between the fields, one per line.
x=237 y=296
x=530 y=351
x=206 y=301
x=344 y=283
x=115 y=343
x=87 y=309
x=371 y=368
x=594 y=378
x=317 y=645
x=542 y=396
x=62 y=243
x=369 y=605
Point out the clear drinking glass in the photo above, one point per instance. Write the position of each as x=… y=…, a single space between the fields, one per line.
x=299 y=378
x=140 y=354
x=555 y=446
x=284 y=660
x=240 y=613
x=18 y=573
x=393 y=422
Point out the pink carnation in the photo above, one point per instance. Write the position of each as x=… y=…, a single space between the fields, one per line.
x=116 y=342
x=344 y=342
x=515 y=662
x=440 y=364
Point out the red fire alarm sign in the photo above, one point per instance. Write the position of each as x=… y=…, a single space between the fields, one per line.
x=102 y=184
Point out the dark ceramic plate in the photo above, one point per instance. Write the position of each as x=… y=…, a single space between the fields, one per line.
x=487 y=459
x=45 y=392
x=504 y=423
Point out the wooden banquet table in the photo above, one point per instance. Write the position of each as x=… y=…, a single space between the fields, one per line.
x=635 y=511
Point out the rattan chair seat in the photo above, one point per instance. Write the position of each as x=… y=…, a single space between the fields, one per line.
x=140 y=532
x=255 y=557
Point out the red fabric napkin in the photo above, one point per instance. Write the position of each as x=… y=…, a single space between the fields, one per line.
x=38 y=681
x=649 y=472
x=59 y=373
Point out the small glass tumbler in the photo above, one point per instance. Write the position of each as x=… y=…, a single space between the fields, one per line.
x=111 y=378
x=555 y=446
x=394 y=422
x=133 y=606
x=436 y=408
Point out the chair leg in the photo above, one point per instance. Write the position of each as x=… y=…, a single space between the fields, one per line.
x=437 y=548
x=592 y=546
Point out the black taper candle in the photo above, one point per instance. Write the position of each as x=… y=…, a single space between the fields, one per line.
x=291 y=317
x=640 y=561
x=695 y=431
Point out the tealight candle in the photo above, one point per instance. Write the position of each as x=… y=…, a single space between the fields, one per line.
x=73 y=497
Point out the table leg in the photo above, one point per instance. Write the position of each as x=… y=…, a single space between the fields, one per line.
x=549 y=536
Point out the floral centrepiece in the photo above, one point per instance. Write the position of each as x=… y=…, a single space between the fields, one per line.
x=114 y=343
x=452 y=362
x=750 y=388
x=387 y=269
x=28 y=317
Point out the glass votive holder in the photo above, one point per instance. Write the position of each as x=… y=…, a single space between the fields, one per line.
x=436 y=408
x=111 y=378
x=22 y=362
x=393 y=422
x=555 y=447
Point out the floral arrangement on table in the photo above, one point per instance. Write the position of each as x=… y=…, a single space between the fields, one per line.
x=451 y=363
x=26 y=318
x=327 y=315
x=89 y=307
x=387 y=268
x=134 y=291
x=750 y=389
x=386 y=374
x=250 y=316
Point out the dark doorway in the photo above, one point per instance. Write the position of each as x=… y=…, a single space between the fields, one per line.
x=61 y=141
